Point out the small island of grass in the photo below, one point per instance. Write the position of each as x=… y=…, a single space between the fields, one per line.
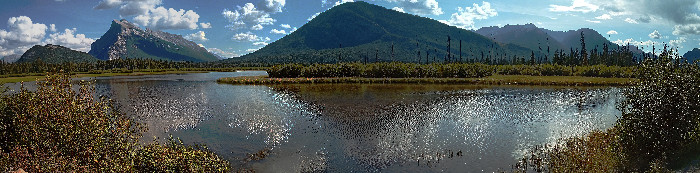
x=477 y=74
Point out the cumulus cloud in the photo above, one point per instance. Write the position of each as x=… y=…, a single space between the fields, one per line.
x=678 y=42
x=655 y=35
x=680 y=13
x=422 y=7
x=275 y=31
x=52 y=27
x=205 y=25
x=250 y=16
x=313 y=16
x=197 y=36
x=464 y=17
x=611 y=32
x=248 y=36
x=260 y=43
x=129 y=7
x=256 y=27
x=576 y=6
x=604 y=17
x=222 y=53
x=399 y=9
x=630 y=20
x=148 y=14
x=22 y=33
x=161 y=18
x=252 y=50
x=287 y=26
x=69 y=39
x=343 y=2
x=631 y=41
x=688 y=29
x=593 y=21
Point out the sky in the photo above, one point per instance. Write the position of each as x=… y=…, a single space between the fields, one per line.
x=232 y=28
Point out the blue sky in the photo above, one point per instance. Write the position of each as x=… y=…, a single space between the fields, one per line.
x=236 y=27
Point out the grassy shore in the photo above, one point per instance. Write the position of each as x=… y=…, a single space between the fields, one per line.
x=490 y=80
x=35 y=77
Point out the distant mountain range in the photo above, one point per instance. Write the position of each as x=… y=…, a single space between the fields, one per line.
x=125 y=40
x=10 y=58
x=540 y=39
x=358 y=30
x=692 y=55
x=55 y=54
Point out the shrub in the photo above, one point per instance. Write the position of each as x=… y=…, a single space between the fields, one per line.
x=56 y=129
x=174 y=156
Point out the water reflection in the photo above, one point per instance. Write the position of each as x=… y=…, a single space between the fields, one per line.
x=360 y=128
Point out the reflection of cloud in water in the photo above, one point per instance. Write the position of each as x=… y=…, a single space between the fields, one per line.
x=270 y=113
x=495 y=123
x=161 y=107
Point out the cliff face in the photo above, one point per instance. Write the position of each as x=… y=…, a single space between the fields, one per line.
x=126 y=40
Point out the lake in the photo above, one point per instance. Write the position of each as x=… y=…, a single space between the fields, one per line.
x=359 y=127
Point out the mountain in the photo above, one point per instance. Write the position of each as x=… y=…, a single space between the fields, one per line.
x=358 y=30
x=11 y=58
x=692 y=55
x=126 y=40
x=55 y=54
x=532 y=37
x=537 y=39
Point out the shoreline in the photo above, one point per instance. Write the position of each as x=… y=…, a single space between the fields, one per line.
x=490 y=80
x=82 y=75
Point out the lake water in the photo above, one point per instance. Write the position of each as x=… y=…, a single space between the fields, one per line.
x=359 y=127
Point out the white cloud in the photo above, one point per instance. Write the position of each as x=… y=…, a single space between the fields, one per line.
x=148 y=14
x=630 y=20
x=678 y=42
x=257 y=27
x=260 y=43
x=272 y=6
x=249 y=16
x=52 y=27
x=248 y=36
x=70 y=40
x=223 y=53
x=275 y=31
x=293 y=29
x=422 y=7
x=313 y=16
x=22 y=33
x=252 y=50
x=604 y=17
x=464 y=17
x=285 y=26
x=576 y=6
x=655 y=35
x=161 y=18
x=688 y=29
x=129 y=7
x=593 y=21
x=612 y=32
x=205 y=25
x=343 y=2
x=631 y=41
x=399 y=9
x=197 y=36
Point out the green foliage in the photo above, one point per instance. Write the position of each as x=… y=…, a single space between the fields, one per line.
x=174 y=156
x=660 y=120
x=435 y=70
x=57 y=129
x=662 y=113
x=55 y=54
x=381 y=70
